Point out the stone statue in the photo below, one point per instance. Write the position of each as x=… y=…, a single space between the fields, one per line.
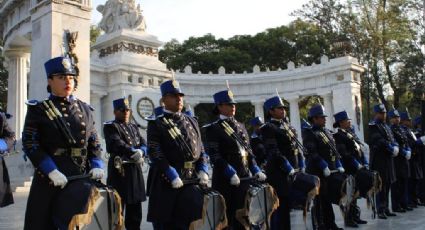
x=121 y=14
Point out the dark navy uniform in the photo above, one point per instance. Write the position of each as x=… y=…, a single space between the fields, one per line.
x=401 y=166
x=349 y=146
x=283 y=158
x=353 y=159
x=420 y=151
x=7 y=141
x=415 y=162
x=172 y=158
x=382 y=147
x=121 y=141
x=230 y=157
x=320 y=160
x=49 y=150
x=256 y=141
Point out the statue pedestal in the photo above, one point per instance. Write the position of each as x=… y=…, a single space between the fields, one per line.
x=125 y=62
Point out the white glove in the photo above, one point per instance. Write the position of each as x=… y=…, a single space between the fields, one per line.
x=235 y=180
x=177 y=183
x=395 y=151
x=137 y=156
x=292 y=172
x=97 y=173
x=261 y=176
x=326 y=172
x=203 y=177
x=422 y=140
x=302 y=170
x=360 y=166
x=58 y=178
x=408 y=155
x=341 y=169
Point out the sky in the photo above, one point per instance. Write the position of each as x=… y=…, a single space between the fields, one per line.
x=182 y=19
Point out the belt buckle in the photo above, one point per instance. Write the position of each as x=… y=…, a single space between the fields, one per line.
x=75 y=152
x=296 y=152
x=333 y=158
x=188 y=164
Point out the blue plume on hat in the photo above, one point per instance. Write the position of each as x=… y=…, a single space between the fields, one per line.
x=417 y=121
x=59 y=65
x=256 y=121
x=121 y=103
x=273 y=102
x=379 y=108
x=170 y=87
x=405 y=116
x=224 y=97
x=341 y=116
x=393 y=113
x=317 y=111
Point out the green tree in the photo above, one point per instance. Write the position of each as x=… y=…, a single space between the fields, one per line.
x=3 y=79
x=94 y=33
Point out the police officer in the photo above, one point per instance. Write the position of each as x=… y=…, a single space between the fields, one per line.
x=322 y=158
x=401 y=165
x=383 y=148
x=283 y=158
x=415 y=162
x=176 y=152
x=60 y=139
x=125 y=144
x=417 y=123
x=227 y=143
x=7 y=141
x=256 y=141
x=353 y=159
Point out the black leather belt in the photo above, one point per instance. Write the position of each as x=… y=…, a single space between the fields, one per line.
x=71 y=152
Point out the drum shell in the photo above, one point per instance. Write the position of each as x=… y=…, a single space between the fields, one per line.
x=335 y=184
x=365 y=179
x=302 y=185
x=213 y=212
x=107 y=210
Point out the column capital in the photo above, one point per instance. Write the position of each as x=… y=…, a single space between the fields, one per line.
x=21 y=52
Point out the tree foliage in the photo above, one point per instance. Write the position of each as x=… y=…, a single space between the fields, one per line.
x=300 y=42
x=386 y=36
x=3 y=79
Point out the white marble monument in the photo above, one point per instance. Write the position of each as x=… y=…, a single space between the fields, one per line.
x=124 y=62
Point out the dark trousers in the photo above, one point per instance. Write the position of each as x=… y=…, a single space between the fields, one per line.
x=281 y=218
x=38 y=213
x=324 y=217
x=133 y=216
x=168 y=226
x=412 y=193
x=399 y=193
x=383 y=197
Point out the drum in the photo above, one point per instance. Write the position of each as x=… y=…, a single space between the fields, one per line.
x=304 y=188
x=336 y=187
x=367 y=181
x=103 y=210
x=260 y=202
x=213 y=212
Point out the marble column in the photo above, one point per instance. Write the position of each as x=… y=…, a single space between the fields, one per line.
x=259 y=111
x=295 y=114
x=95 y=101
x=327 y=99
x=17 y=89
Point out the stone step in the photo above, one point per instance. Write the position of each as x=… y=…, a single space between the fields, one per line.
x=26 y=186
x=22 y=189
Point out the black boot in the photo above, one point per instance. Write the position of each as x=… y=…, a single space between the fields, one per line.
x=356 y=216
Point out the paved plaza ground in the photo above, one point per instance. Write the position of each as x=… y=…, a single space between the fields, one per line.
x=12 y=217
